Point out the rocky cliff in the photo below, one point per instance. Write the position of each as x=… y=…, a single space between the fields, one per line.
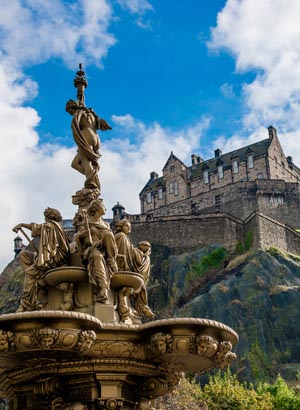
x=257 y=294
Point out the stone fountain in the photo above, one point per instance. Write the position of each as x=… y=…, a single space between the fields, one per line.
x=78 y=339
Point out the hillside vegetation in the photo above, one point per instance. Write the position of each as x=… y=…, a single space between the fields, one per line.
x=256 y=293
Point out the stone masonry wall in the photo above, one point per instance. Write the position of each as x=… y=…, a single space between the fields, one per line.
x=268 y=232
x=190 y=233
x=277 y=198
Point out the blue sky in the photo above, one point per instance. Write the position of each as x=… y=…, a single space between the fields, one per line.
x=187 y=76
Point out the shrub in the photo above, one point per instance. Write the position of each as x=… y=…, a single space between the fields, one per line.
x=248 y=240
x=213 y=260
x=283 y=397
x=223 y=392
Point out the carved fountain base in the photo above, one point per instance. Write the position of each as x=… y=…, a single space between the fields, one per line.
x=71 y=360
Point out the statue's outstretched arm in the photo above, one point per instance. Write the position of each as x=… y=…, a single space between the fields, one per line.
x=22 y=225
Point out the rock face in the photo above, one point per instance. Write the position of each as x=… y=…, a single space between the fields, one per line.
x=257 y=294
x=11 y=285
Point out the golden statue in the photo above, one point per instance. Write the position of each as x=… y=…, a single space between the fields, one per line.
x=85 y=124
x=134 y=259
x=52 y=251
x=96 y=244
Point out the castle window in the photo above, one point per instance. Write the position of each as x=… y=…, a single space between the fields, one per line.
x=171 y=188
x=160 y=193
x=176 y=190
x=260 y=175
x=276 y=162
x=250 y=161
x=172 y=168
x=148 y=197
x=235 y=166
x=220 y=171
x=205 y=176
x=218 y=201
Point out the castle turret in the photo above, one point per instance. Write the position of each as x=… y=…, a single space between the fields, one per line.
x=18 y=245
x=118 y=212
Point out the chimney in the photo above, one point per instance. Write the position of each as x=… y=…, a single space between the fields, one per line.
x=194 y=159
x=199 y=160
x=218 y=153
x=272 y=132
x=153 y=175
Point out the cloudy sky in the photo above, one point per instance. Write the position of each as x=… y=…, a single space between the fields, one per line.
x=187 y=76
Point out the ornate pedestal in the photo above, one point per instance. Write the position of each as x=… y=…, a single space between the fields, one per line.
x=70 y=360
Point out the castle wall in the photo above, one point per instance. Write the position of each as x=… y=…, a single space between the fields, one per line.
x=276 y=198
x=279 y=200
x=278 y=165
x=189 y=233
x=268 y=232
x=175 y=175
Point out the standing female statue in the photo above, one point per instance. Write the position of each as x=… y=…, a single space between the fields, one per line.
x=134 y=259
x=53 y=251
x=84 y=126
x=96 y=243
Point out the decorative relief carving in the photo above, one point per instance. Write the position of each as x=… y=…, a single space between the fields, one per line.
x=85 y=340
x=206 y=345
x=153 y=387
x=45 y=338
x=49 y=338
x=110 y=404
x=160 y=343
x=47 y=387
x=183 y=344
x=119 y=349
x=219 y=352
x=6 y=341
x=224 y=355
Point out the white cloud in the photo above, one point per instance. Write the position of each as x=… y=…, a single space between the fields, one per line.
x=263 y=37
x=32 y=175
x=139 y=8
x=127 y=166
x=227 y=90
x=37 y=30
x=238 y=141
x=136 y=6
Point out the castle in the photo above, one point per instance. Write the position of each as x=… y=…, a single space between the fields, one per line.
x=253 y=190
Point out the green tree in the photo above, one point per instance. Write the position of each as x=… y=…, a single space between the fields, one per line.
x=223 y=392
x=283 y=397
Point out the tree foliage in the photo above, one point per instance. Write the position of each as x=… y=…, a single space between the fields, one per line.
x=225 y=392
x=283 y=397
